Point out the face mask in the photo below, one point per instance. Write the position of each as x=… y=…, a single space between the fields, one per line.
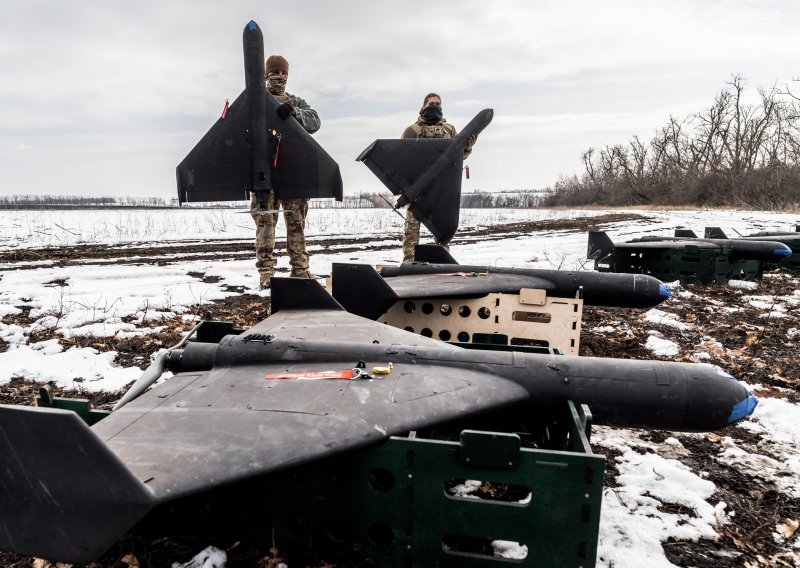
x=431 y=114
x=276 y=84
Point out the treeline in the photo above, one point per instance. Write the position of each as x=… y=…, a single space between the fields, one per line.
x=514 y=199
x=522 y=198
x=81 y=202
x=730 y=154
x=478 y=199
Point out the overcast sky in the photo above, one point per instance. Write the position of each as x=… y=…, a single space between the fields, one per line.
x=106 y=98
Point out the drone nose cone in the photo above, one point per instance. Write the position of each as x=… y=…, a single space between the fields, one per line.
x=786 y=251
x=743 y=409
x=664 y=291
x=252 y=26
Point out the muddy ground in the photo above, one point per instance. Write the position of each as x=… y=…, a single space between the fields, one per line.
x=753 y=348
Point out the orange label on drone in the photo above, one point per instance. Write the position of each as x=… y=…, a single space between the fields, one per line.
x=313 y=375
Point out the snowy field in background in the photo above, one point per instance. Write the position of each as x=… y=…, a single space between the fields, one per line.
x=103 y=301
x=34 y=228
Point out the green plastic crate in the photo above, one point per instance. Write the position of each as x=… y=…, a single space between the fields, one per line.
x=389 y=506
x=689 y=264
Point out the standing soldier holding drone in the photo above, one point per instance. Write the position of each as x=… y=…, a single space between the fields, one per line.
x=265 y=214
x=430 y=124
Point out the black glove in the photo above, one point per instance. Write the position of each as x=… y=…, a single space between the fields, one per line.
x=285 y=110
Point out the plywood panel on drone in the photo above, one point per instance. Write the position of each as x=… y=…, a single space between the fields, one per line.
x=529 y=318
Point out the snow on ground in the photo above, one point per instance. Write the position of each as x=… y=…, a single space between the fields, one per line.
x=210 y=557
x=112 y=301
x=660 y=346
x=646 y=482
x=72 y=368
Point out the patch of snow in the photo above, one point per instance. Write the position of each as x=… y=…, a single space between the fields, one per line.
x=631 y=525
x=769 y=303
x=6 y=310
x=47 y=347
x=664 y=318
x=663 y=347
x=139 y=332
x=108 y=328
x=509 y=549
x=732 y=310
x=743 y=284
x=777 y=314
x=782 y=474
x=13 y=334
x=780 y=420
x=210 y=557
x=77 y=367
x=466 y=489
x=620 y=439
x=791 y=300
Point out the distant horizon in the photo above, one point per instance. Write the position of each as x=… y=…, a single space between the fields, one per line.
x=143 y=197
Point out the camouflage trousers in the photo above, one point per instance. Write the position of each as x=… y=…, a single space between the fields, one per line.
x=411 y=236
x=294 y=215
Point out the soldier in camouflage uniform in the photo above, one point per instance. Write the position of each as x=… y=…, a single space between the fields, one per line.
x=430 y=124
x=294 y=210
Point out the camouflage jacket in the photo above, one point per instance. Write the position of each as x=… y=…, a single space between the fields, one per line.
x=442 y=129
x=305 y=115
x=419 y=129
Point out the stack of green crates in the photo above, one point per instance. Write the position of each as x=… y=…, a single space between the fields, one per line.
x=687 y=264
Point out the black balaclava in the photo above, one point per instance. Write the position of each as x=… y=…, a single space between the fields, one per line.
x=432 y=114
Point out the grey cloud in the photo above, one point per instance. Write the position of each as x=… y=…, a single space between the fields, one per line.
x=100 y=88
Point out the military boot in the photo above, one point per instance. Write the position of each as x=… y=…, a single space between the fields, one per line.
x=264 y=281
x=302 y=274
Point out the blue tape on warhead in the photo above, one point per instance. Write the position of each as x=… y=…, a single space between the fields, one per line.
x=743 y=408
